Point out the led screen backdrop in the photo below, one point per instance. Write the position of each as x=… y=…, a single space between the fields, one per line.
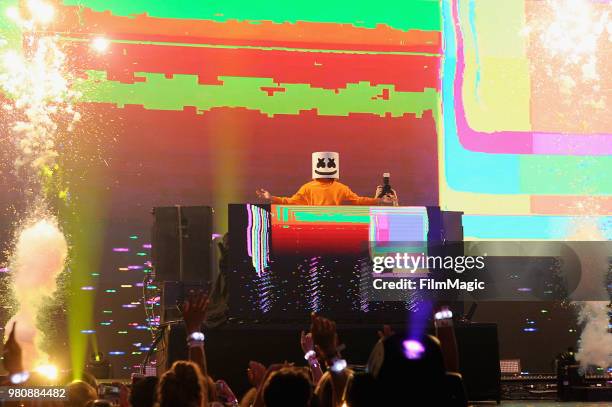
x=526 y=123
x=211 y=102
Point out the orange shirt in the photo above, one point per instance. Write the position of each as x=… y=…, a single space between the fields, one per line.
x=318 y=192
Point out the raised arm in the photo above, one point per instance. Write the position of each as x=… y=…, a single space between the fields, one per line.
x=326 y=343
x=311 y=357
x=194 y=314
x=443 y=322
x=299 y=198
x=352 y=198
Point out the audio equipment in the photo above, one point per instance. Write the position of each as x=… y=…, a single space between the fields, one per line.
x=479 y=360
x=181 y=243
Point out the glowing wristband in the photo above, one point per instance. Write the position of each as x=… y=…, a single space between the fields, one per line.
x=443 y=318
x=19 y=378
x=310 y=355
x=338 y=365
x=196 y=337
x=444 y=314
x=195 y=340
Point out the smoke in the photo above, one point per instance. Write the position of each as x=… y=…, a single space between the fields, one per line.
x=39 y=256
x=595 y=341
x=595 y=344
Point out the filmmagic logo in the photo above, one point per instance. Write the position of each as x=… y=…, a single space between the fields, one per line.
x=406 y=284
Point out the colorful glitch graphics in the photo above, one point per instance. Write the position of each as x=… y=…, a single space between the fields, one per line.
x=244 y=91
x=345 y=230
x=527 y=134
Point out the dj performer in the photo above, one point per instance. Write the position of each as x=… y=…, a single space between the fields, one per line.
x=325 y=189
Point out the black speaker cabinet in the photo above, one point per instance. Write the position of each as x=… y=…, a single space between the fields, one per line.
x=181 y=243
x=479 y=360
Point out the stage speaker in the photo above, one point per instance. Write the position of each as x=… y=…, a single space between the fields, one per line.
x=181 y=243
x=173 y=347
x=479 y=360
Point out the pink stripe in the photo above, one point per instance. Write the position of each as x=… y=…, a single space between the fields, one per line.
x=578 y=144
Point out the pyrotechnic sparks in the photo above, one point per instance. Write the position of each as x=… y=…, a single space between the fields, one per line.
x=49 y=372
x=41 y=98
x=39 y=256
x=575 y=30
x=41 y=11
x=40 y=104
x=570 y=35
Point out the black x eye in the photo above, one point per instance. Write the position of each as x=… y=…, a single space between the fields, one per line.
x=321 y=163
x=331 y=163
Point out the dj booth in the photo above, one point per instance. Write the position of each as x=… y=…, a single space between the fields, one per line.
x=287 y=261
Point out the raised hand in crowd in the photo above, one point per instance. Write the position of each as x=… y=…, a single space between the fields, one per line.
x=311 y=356
x=194 y=314
x=331 y=387
x=324 y=336
x=12 y=354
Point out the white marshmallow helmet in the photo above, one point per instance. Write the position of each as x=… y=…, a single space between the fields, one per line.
x=325 y=164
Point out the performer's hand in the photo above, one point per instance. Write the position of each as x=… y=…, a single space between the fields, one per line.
x=12 y=353
x=387 y=199
x=262 y=193
x=394 y=197
x=194 y=312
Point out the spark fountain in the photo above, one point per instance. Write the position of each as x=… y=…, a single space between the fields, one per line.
x=39 y=106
